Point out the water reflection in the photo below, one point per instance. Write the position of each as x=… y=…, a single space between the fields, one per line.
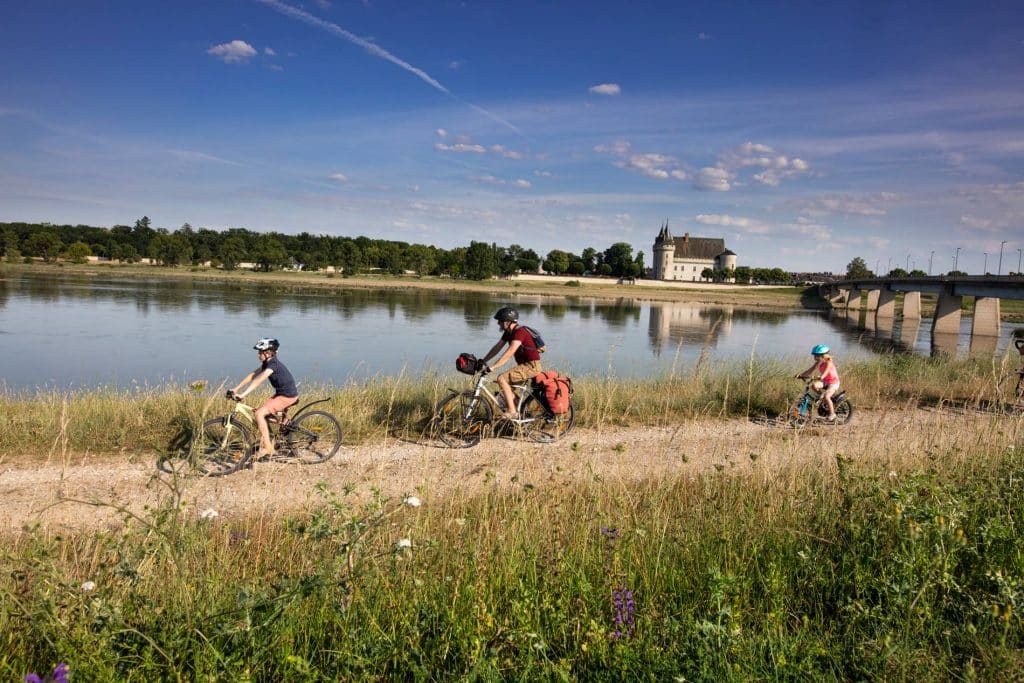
x=126 y=330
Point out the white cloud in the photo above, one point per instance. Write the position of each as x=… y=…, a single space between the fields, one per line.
x=501 y=150
x=235 y=52
x=269 y=51
x=723 y=220
x=323 y=4
x=522 y=183
x=492 y=180
x=460 y=147
x=455 y=64
x=606 y=89
x=873 y=205
x=442 y=133
x=713 y=178
x=339 y=177
x=703 y=36
x=618 y=147
x=542 y=174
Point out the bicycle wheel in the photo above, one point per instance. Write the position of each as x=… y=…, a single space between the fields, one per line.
x=542 y=425
x=1010 y=387
x=799 y=414
x=224 y=447
x=312 y=437
x=462 y=419
x=844 y=410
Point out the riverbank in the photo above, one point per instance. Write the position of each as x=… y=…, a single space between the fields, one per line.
x=600 y=288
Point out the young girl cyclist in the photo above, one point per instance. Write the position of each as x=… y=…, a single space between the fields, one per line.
x=828 y=382
x=285 y=392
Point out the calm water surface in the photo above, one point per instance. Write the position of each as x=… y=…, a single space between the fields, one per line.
x=70 y=332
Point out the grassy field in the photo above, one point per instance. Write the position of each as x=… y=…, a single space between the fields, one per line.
x=830 y=571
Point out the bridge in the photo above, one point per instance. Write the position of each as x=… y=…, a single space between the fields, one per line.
x=987 y=291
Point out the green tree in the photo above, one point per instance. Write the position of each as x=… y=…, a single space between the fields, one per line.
x=557 y=261
x=576 y=267
x=231 y=252
x=620 y=257
x=708 y=274
x=857 y=269
x=270 y=253
x=589 y=258
x=78 y=252
x=917 y=272
x=44 y=244
x=480 y=263
x=744 y=274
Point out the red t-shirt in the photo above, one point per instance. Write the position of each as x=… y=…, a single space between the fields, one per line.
x=527 y=351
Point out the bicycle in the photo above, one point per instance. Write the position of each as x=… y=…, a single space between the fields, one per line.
x=227 y=443
x=811 y=408
x=1010 y=387
x=463 y=417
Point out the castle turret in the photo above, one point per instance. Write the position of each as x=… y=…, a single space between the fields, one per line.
x=663 y=252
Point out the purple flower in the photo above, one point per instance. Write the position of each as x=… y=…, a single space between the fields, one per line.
x=610 y=533
x=624 y=607
x=59 y=675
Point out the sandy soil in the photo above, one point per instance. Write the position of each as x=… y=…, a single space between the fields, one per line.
x=85 y=491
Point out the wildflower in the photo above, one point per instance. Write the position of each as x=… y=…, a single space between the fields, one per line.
x=611 y=533
x=59 y=675
x=624 y=609
x=198 y=385
x=412 y=501
x=404 y=543
x=88 y=586
x=209 y=513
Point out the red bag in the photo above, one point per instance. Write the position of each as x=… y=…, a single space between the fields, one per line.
x=553 y=390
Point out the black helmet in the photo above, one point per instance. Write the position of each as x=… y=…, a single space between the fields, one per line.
x=267 y=344
x=507 y=314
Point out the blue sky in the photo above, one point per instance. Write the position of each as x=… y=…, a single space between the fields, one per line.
x=803 y=133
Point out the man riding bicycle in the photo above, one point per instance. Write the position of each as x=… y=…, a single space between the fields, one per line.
x=520 y=346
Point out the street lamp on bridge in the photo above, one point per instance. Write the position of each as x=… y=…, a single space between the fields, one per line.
x=999 y=270
x=984 y=268
x=931 y=255
x=956 y=258
x=1018 y=261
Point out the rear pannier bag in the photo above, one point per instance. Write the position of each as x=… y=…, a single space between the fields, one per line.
x=553 y=390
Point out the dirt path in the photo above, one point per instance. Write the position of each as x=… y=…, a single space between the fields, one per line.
x=50 y=493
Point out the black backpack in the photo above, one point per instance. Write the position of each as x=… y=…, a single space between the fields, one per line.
x=538 y=341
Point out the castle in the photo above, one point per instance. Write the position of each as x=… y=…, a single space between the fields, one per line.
x=685 y=258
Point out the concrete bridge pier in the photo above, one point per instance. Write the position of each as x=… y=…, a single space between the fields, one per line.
x=886 y=304
x=946 y=324
x=872 y=304
x=912 y=306
x=986 y=317
x=909 y=329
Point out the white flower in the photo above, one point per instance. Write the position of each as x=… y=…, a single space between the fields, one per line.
x=88 y=586
x=405 y=543
x=209 y=513
x=412 y=501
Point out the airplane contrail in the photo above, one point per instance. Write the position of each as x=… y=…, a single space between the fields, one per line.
x=376 y=51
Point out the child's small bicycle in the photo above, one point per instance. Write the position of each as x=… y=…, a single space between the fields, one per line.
x=227 y=443
x=810 y=408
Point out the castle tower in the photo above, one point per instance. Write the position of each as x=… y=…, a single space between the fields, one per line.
x=663 y=253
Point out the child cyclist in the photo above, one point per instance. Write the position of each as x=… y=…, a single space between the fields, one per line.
x=828 y=382
x=285 y=392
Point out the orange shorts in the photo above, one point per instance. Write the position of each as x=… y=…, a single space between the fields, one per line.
x=275 y=404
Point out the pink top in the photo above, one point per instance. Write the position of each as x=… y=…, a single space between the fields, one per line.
x=828 y=372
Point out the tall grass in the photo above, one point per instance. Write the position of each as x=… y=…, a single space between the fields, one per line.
x=825 y=571
x=110 y=421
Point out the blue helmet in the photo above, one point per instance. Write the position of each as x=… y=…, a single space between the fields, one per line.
x=820 y=350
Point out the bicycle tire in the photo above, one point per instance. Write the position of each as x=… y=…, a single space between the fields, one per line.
x=215 y=457
x=542 y=425
x=1010 y=387
x=312 y=437
x=462 y=419
x=795 y=417
x=844 y=411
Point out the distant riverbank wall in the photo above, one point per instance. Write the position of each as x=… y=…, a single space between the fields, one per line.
x=638 y=282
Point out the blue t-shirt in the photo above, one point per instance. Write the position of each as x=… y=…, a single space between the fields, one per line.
x=280 y=378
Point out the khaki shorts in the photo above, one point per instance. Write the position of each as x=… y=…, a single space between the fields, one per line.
x=522 y=373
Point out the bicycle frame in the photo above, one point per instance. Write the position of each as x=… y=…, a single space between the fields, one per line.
x=520 y=391
x=248 y=413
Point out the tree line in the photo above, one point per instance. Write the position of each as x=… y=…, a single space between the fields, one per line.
x=230 y=248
